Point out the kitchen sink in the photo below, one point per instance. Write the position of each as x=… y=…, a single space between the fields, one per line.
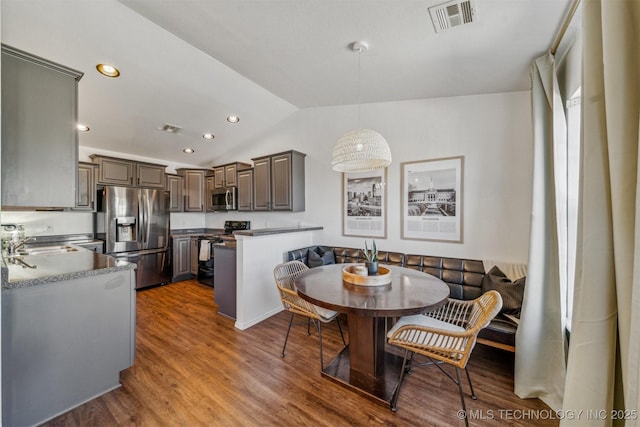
x=44 y=250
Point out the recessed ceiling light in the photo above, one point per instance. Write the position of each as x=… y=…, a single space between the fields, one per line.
x=82 y=128
x=208 y=136
x=108 y=70
x=189 y=150
x=233 y=119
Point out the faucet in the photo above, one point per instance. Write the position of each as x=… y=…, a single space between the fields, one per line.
x=21 y=262
x=15 y=245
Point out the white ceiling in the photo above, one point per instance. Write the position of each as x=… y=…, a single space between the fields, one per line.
x=192 y=63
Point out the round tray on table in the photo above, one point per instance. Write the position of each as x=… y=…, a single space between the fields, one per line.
x=349 y=275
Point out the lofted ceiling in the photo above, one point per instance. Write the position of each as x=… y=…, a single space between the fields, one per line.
x=191 y=63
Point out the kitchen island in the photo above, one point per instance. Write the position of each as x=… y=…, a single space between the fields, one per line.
x=68 y=329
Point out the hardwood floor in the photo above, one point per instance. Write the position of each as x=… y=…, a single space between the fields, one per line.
x=193 y=368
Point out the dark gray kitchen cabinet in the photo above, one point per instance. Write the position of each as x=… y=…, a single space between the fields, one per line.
x=181 y=257
x=209 y=186
x=194 y=189
x=218 y=177
x=227 y=175
x=39 y=136
x=245 y=190
x=278 y=182
x=262 y=184
x=86 y=190
x=195 y=253
x=225 y=280
x=128 y=173
x=149 y=175
x=112 y=171
x=175 y=187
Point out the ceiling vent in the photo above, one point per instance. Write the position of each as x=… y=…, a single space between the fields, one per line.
x=453 y=14
x=170 y=128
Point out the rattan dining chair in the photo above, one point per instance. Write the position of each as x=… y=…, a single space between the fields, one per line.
x=285 y=275
x=446 y=335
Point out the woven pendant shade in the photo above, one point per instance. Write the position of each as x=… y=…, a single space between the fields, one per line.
x=360 y=150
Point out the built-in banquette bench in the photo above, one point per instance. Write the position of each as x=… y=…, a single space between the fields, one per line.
x=464 y=277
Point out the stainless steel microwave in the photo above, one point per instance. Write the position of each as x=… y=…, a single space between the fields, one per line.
x=225 y=199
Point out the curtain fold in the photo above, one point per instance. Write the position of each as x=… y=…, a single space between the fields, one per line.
x=540 y=339
x=603 y=371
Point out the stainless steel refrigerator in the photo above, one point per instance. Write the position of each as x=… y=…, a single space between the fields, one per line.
x=134 y=222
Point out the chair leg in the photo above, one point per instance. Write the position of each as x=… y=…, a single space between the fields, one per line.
x=473 y=394
x=464 y=407
x=308 y=325
x=410 y=363
x=394 y=399
x=287 y=336
x=320 y=339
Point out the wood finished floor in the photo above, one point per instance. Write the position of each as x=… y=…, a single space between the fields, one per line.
x=194 y=368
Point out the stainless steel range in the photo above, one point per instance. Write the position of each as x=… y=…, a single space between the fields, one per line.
x=206 y=271
x=231 y=226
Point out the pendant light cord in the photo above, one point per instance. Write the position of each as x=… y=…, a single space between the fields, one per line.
x=359 y=78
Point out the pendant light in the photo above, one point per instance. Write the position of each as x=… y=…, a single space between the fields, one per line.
x=360 y=150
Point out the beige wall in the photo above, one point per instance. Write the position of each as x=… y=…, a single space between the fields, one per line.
x=493 y=132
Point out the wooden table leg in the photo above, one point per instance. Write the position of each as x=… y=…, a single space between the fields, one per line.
x=364 y=366
x=366 y=343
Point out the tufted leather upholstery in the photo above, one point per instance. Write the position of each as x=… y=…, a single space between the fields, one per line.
x=463 y=276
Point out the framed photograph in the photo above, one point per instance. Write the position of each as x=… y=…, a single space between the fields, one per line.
x=432 y=199
x=364 y=203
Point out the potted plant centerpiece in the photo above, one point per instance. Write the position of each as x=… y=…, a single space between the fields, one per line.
x=371 y=257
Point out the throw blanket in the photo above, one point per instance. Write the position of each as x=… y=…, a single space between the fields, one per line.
x=511 y=270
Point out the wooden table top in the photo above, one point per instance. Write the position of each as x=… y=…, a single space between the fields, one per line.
x=410 y=292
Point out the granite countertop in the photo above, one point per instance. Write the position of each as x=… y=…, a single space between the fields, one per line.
x=278 y=230
x=196 y=232
x=58 y=267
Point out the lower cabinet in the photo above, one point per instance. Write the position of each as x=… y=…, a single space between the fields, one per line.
x=194 y=255
x=225 y=267
x=181 y=258
x=65 y=343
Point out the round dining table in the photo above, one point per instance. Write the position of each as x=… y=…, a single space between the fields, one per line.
x=365 y=364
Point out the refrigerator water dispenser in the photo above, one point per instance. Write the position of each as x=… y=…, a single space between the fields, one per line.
x=126 y=229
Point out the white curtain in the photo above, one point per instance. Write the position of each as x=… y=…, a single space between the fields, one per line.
x=603 y=371
x=540 y=339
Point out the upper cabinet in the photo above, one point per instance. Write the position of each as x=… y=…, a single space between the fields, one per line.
x=208 y=188
x=175 y=187
x=39 y=136
x=194 y=188
x=128 y=173
x=245 y=190
x=114 y=171
x=278 y=182
x=227 y=175
x=150 y=175
x=86 y=191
